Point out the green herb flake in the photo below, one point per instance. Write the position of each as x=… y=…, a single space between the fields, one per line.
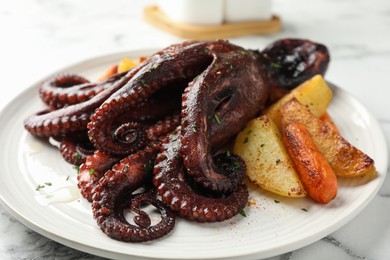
x=125 y=168
x=77 y=168
x=77 y=156
x=276 y=201
x=48 y=183
x=89 y=137
x=155 y=66
x=39 y=186
x=303 y=209
x=242 y=212
x=262 y=145
x=143 y=82
x=193 y=127
x=276 y=65
x=246 y=140
x=217 y=119
x=149 y=166
x=250 y=131
x=92 y=172
x=228 y=153
x=67 y=178
x=236 y=166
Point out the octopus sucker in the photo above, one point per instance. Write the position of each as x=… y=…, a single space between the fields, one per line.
x=68 y=89
x=76 y=148
x=171 y=184
x=57 y=122
x=113 y=193
x=158 y=134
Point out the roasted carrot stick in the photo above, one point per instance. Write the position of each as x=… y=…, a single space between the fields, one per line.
x=313 y=169
x=326 y=119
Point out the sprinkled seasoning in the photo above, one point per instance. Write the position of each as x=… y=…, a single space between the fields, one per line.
x=77 y=168
x=246 y=140
x=242 y=212
x=217 y=119
x=92 y=172
x=77 y=156
x=39 y=187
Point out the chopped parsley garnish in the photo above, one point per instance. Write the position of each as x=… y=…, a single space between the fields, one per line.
x=77 y=156
x=242 y=212
x=217 y=119
x=77 y=168
x=276 y=65
x=92 y=172
x=246 y=140
x=39 y=187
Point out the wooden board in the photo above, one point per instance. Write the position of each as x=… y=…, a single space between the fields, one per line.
x=154 y=16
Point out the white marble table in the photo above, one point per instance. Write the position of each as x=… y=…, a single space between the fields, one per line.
x=41 y=36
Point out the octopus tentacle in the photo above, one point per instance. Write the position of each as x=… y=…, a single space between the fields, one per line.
x=116 y=187
x=92 y=170
x=221 y=107
x=202 y=91
x=290 y=62
x=76 y=148
x=171 y=185
x=165 y=71
x=67 y=89
x=72 y=118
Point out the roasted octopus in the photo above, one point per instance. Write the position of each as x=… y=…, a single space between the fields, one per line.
x=157 y=134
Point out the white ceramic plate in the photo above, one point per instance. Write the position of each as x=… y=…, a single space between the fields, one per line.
x=273 y=225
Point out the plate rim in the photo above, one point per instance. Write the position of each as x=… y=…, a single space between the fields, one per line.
x=102 y=252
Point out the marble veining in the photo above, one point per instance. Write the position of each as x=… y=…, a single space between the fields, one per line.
x=54 y=34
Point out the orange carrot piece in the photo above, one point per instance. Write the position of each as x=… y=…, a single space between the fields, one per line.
x=313 y=169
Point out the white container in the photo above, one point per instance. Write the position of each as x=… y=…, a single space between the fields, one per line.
x=204 y=12
x=247 y=10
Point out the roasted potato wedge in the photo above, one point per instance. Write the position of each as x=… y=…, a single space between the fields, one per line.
x=267 y=162
x=345 y=159
x=313 y=93
x=126 y=64
x=111 y=71
x=312 y=167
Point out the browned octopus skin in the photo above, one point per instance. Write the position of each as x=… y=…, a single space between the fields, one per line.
x=226 y=95
x=92 y=170
x=100 y=162
x=66 y=89
x=74 y=118
x=289 y=62
x=165 y=71
x=172 y=185
x=76 y=148
x=114 y=192
x=224 y=87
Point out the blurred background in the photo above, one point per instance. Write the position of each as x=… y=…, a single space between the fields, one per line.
x=38 y=37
